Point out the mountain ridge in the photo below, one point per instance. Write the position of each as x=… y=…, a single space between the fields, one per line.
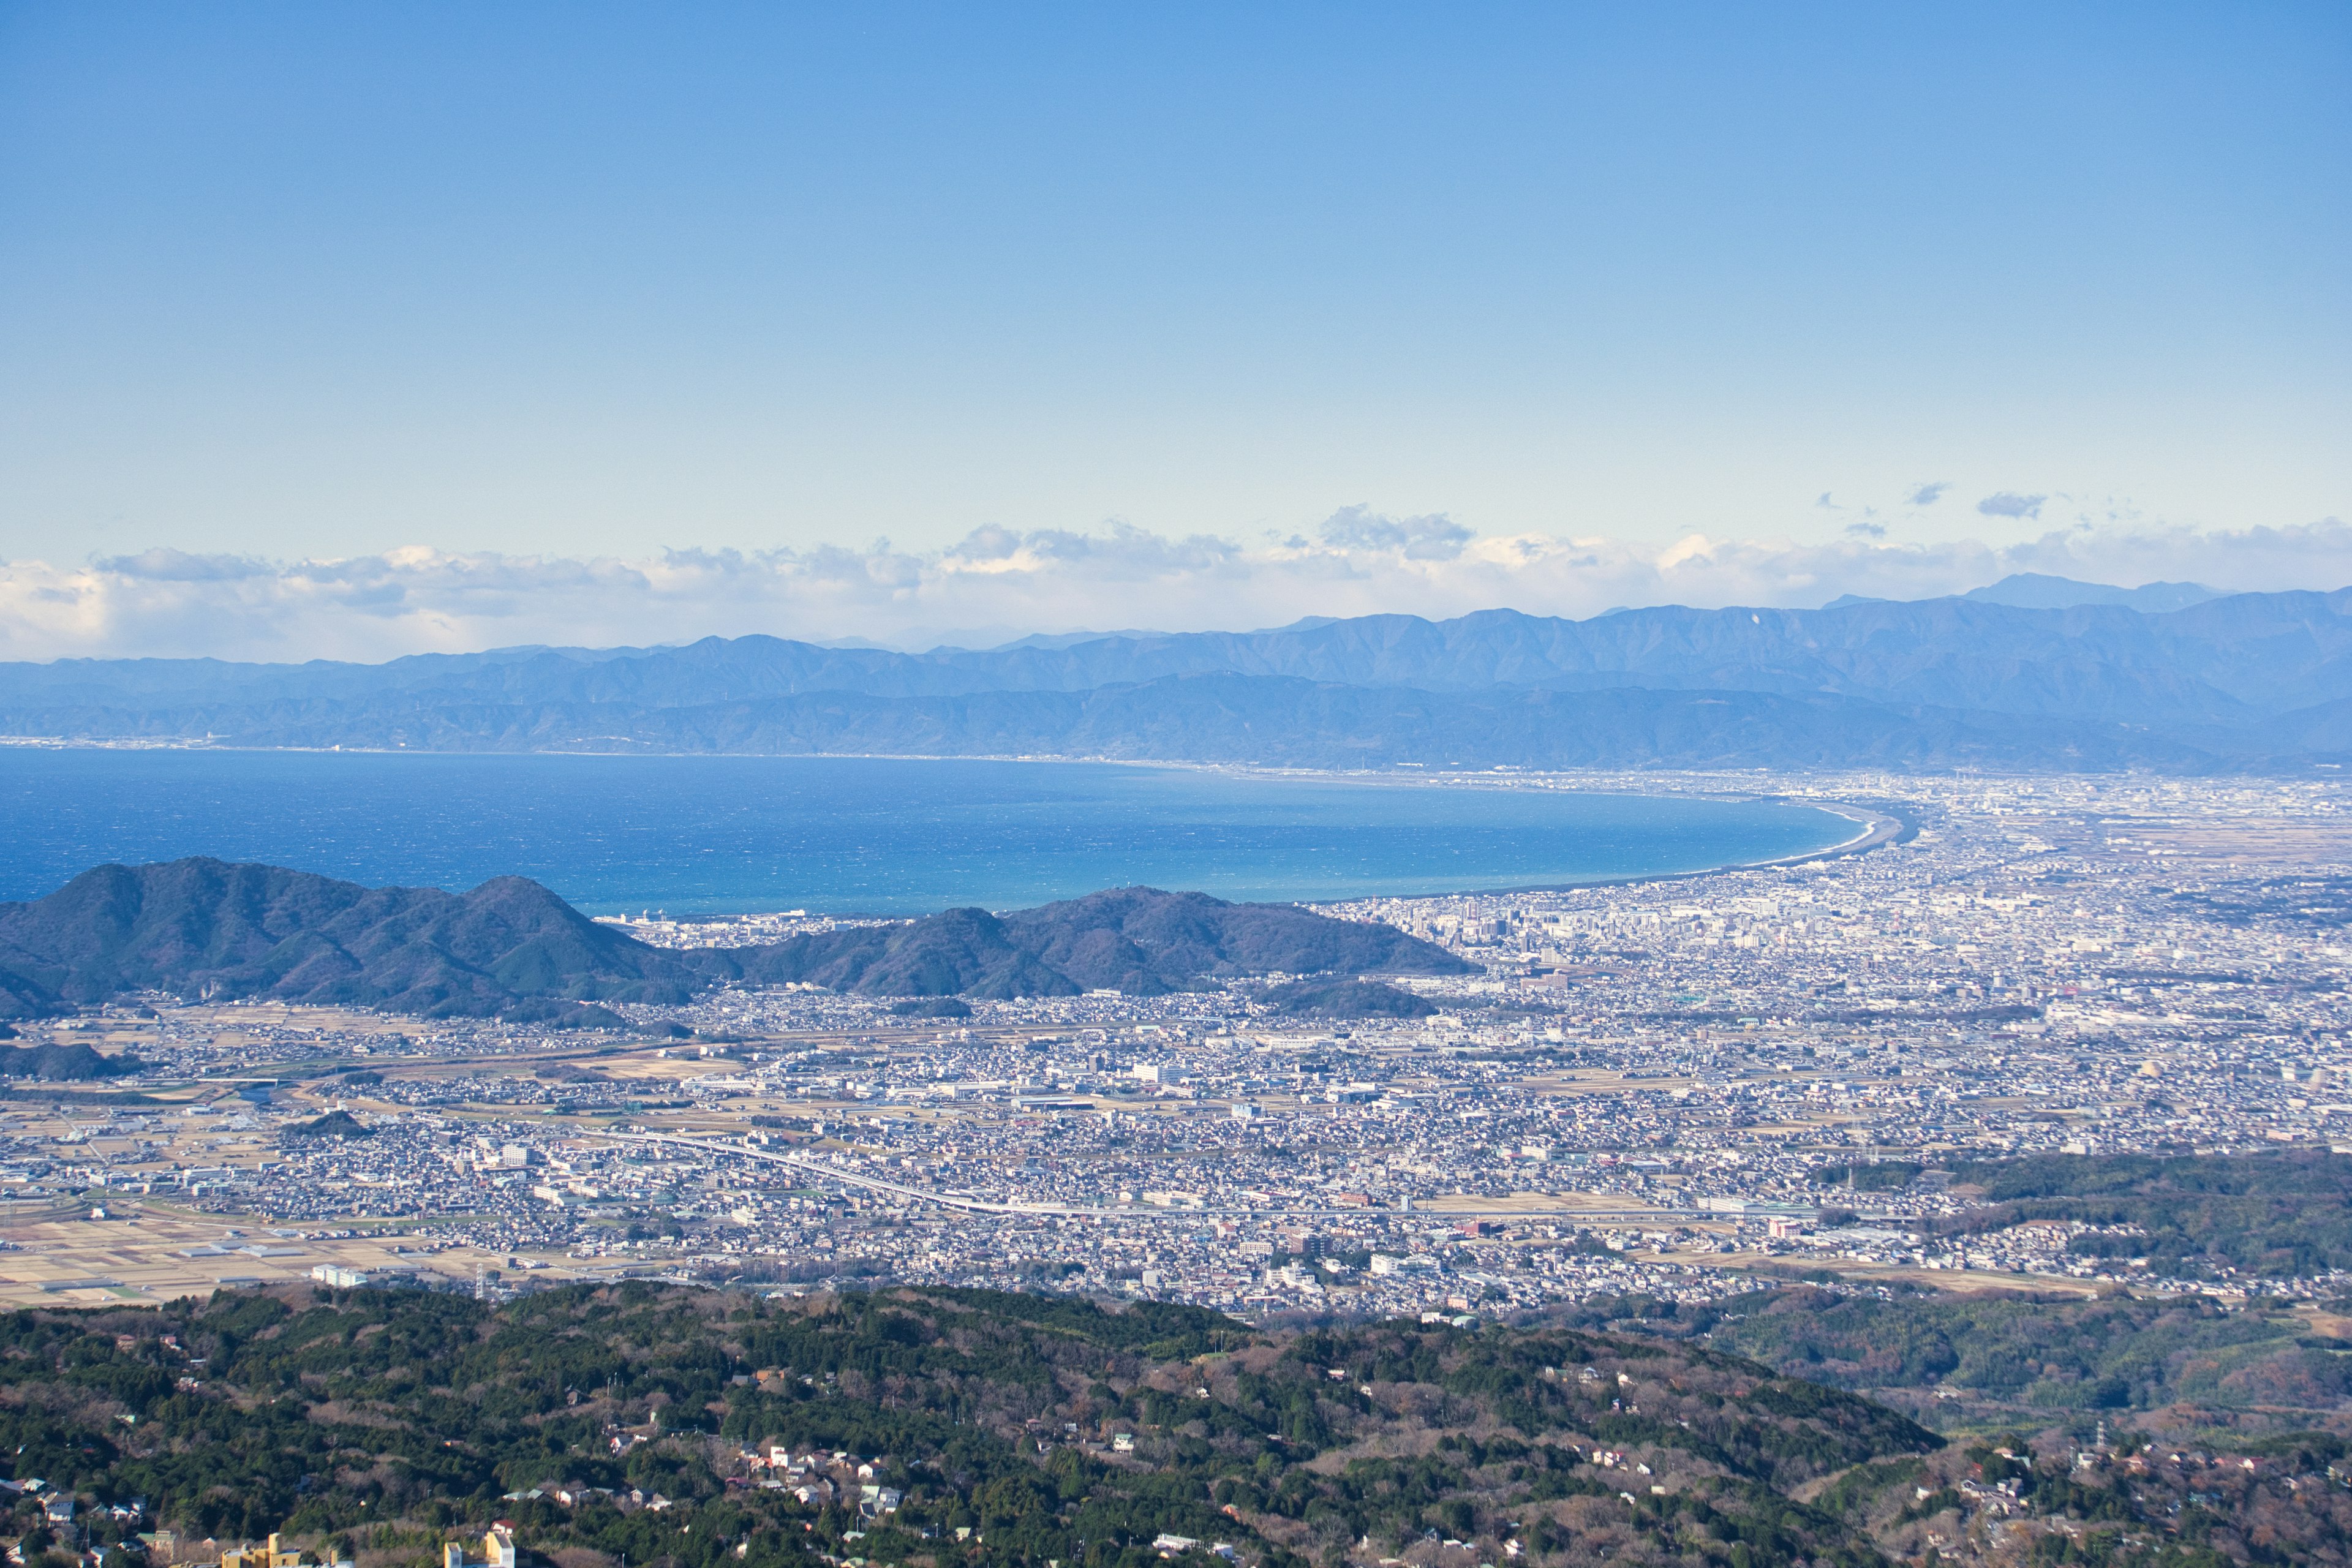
x=2039 y=590
x=2236 y=682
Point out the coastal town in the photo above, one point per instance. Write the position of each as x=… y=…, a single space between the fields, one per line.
x=1683 y=1088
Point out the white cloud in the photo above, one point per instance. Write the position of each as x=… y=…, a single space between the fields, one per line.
x=2009 y=503
x=167 y=603
x=1435 y=537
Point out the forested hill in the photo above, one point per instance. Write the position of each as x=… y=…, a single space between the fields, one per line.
x=2233 y=680
x=1012 y=1430
x=1138 y=941
x=202 y=928
x=512 y=948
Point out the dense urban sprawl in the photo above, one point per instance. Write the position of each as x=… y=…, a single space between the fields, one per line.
x=1677 y=1087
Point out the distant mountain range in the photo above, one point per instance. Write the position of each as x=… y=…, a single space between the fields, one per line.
x=510 y=949
x=2010 y=680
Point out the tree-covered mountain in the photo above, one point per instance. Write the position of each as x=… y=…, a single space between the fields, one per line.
x=941 y=1428
x=1136 y=941
x=201 y=927
x=2230 y=681
x=2190 y=1215
x=613 y=1425
x=2003 y=1359
x=512 y=949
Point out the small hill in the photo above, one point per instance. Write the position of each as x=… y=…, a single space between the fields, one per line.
x=931 y=1007
x=1348 y=999
x=334 y=1124
x=76 y=1063
x=1141 y=942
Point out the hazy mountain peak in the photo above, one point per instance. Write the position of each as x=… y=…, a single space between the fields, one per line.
x=2038 y=591
x=1069 y=640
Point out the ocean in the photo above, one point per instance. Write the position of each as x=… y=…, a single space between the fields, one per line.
x=849 y=834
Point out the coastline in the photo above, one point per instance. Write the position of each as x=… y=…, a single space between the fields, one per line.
x=1876 y=830
x=1871 y=828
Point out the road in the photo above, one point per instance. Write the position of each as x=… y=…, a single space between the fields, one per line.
x=981 y=1205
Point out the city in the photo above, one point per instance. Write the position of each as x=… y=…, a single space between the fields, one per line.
x=1685 y=1088
x=880 y=786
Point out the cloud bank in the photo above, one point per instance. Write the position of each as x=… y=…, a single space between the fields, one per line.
x=998 y=584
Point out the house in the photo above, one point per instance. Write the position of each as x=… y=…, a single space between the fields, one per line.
x=272 y=1553
x=498 y=1552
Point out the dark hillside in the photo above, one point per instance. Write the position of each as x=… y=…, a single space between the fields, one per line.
x=2119 y=1432
x=1348 y=999
x=1180 y=938
x=334 y=1124
x=202 y=927
x=958 y=951
x=1012 y=1430
x=76 y=1063
x=2193 y=1216
x=1138 y=941
x=513 y=950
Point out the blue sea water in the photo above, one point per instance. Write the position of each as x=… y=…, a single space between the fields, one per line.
x=722 y=835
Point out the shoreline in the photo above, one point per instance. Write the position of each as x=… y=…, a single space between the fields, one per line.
x=1876 y=830
x=1872 y=828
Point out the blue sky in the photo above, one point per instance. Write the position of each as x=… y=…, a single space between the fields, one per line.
x=300 y=280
